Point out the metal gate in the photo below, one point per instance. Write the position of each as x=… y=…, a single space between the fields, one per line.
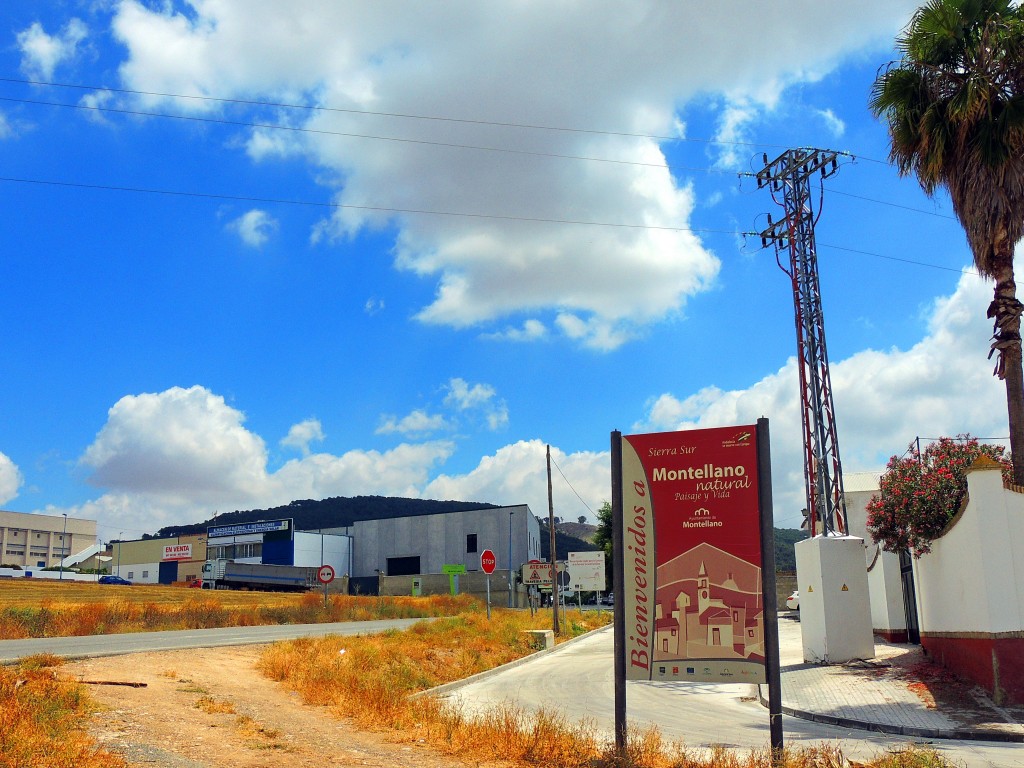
x=909 y=597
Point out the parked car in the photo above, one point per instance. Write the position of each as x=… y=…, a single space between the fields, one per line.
x=196 y=584
x=609 y=599
x=793 y=601
x=114 y=580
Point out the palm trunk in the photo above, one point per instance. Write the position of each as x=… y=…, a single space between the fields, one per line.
x=1006 y=311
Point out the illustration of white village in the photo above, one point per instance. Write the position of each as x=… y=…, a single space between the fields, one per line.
x=708 y=606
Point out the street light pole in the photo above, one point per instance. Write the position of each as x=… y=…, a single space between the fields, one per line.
x=511 y=512
x=63 y=546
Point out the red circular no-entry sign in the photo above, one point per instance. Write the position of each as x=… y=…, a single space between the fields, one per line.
x=487 y=561
x=325 y=575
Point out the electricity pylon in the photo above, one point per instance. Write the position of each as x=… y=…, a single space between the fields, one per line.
x=790 y=175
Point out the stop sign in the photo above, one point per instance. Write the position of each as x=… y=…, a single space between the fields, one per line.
x=487 y=561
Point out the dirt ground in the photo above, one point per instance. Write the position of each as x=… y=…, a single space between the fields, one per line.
x=210 y=708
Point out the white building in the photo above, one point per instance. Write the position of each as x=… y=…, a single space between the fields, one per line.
x=41 y=541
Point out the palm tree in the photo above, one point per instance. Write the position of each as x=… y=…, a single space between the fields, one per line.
x=955 y=108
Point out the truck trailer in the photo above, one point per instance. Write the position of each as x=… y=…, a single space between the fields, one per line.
x=228 y=574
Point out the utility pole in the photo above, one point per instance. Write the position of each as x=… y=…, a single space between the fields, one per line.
x=554 y=556
x=789 y=175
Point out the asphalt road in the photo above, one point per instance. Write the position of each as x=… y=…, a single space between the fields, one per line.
x=576 y=680
x=114 y=645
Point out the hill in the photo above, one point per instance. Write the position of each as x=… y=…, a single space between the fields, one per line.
x=335 y=512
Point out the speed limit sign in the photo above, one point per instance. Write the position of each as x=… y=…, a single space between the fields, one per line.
x=325 y=575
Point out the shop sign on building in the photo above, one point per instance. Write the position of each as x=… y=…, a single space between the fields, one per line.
x=177 y=552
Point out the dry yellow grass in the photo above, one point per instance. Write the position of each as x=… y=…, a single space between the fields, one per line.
x=369 y=680
x=54 y=610
x=43 y=718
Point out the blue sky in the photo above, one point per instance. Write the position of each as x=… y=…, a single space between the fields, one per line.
x=399 y=248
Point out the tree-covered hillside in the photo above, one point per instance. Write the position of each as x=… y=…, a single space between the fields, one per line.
x=336 y=512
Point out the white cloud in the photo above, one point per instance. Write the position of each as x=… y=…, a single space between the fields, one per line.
x=599 y=286
x=418 y=422
x=834 y=123
x=254 y=227
x=531 y=330
x=180 y=443
x=480 y=398
x=177 y=456
x=5 y=127
x=883 y=399
x=302 y=434
x=10 y=479
x=373 y=306
x=41 y=53
x=517 y=474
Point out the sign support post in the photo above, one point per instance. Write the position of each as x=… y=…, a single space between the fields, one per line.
x=487 y=563
x=618 y=587
x=773 y=673
x=325 y=575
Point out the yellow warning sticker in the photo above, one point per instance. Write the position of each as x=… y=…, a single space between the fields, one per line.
x=845 y=588
x=810 y=589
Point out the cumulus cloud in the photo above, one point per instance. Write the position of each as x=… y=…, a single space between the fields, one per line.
x=478 y=398
x=833 y=122
x=418 y=422
x=598 y=286
x=176 y=456
x=883 y=398
x=10 y=479
x=302 y=434
x=531 y=330
x=517 y=474
x=254 y=227
x=180 y=442
x=42 y=53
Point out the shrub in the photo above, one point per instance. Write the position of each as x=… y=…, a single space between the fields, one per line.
x=921 y=492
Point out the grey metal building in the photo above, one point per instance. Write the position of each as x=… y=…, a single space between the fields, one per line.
x=423 y=544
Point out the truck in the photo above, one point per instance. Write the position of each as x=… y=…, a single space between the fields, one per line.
x=228 y=574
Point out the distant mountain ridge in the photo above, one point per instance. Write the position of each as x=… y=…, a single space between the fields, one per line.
x=342 y=511
x=335 y=512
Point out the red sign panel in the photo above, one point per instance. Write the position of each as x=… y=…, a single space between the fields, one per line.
x=693 y=586
x=325 y=574
x=487 y=561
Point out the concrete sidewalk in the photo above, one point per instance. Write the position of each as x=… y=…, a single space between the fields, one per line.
x=900 y=691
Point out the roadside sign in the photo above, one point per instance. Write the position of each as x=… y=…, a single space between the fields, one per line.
x=487 y=561
x=539 y=573
x=586 y=571
x=325 y=575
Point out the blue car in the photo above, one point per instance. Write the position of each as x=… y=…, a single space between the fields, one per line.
x=113 y=580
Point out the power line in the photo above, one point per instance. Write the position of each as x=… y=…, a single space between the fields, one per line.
x=896 y=258
x=832 y=191
x=372 y=113
x=345 y=134
x=451 y=145
x=424 y=212
x=348 y=206
x=571 y=488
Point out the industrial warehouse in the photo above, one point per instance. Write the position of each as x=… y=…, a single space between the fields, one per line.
x=413 y=554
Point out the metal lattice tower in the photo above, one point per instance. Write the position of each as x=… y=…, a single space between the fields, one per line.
x=790 y=174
